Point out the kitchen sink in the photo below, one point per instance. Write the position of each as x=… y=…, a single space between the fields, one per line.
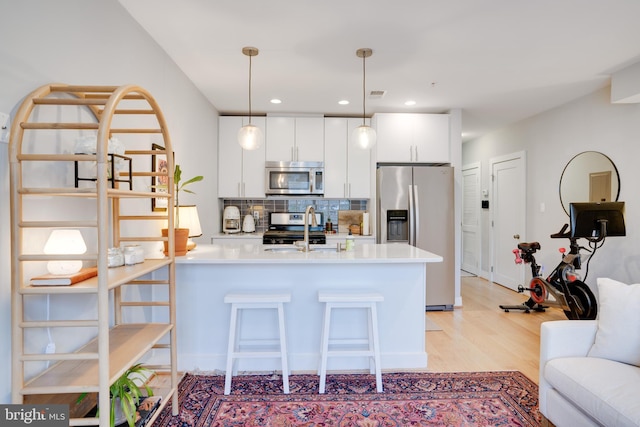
x=288 y=249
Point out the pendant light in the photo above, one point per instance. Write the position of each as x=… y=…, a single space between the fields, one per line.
x=250 y=136
x=364 y=136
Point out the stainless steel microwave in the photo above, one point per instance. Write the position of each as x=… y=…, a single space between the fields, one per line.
x=294 y=178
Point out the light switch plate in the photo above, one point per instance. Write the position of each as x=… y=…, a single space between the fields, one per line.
x=4 y=127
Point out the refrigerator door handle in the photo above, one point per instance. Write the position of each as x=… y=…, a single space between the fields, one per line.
x=412 y=221
x=416 y=215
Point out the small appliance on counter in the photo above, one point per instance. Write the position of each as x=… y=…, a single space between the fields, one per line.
x=231 y=220
x=248 y=224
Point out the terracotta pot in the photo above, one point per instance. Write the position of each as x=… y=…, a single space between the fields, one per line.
x=181 y=237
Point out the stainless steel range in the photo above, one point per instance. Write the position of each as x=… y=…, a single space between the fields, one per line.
x=288 y=228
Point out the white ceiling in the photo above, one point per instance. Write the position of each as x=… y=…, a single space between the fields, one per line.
x=498 y=60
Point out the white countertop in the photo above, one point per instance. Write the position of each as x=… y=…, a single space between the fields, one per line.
x=363 y=253
x=258 y=235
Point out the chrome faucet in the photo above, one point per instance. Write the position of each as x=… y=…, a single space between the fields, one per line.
x=314 y=222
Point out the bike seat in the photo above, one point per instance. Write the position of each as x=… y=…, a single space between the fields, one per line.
x=529 y=247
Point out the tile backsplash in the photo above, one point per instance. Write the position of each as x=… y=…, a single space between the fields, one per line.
x=328 y=208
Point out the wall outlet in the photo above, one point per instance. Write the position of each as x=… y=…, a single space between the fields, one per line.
x=4 y=127
x=256 y=215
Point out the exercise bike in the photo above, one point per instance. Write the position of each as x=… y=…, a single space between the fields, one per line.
x=563 y=287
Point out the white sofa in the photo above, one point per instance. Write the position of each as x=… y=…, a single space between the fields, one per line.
x=590 y=369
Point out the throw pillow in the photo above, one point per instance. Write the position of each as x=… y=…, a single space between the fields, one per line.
x=618 y=334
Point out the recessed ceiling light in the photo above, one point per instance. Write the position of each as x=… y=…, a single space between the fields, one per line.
x=276 y=101
x=343 y=102
x=409 y=103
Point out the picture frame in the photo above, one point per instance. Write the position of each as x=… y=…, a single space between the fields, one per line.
x=159 y=163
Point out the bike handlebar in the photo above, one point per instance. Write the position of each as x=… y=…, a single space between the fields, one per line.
x=561 y=234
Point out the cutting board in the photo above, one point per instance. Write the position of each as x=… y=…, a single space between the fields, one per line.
x=346 y=218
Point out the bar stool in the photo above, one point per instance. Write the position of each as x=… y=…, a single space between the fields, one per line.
x=246 y=301
x=351 y=300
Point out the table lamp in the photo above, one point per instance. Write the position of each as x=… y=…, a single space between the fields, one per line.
x=189 y=219
x=64 y=242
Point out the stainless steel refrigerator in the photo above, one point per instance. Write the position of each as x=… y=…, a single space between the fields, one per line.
x=415 y=206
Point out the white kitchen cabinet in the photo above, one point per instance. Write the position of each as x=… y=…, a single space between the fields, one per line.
x=418 y=138
x=240 y=172
x=299 y=139
x=347 y=167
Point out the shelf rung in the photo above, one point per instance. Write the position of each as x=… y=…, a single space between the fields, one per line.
x=60 y=324
x=145 y=304
x=82 y=88
x=145 y=152
x=131 y=111
x=58 y=356
x=142 y=217
x=51 y=257
x=31 y=191
x=149 y=282
x=71 y=126
x=59 y=389
x=132 y=130
x=66 y=224
x=69 y=101
x=57 y=157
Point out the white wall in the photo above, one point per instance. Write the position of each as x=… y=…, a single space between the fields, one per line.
x=97 y=42
x=551 y=139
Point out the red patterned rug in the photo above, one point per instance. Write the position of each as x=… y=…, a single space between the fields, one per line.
x=409 y=399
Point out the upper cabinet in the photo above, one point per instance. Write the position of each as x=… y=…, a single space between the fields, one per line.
x=347 y=167
x=418 y=138
x=297 y=139
x=240 y=172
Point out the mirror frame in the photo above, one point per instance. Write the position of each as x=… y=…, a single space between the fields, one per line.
x=614 y=179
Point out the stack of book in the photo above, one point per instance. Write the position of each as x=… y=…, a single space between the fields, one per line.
x=64 y=279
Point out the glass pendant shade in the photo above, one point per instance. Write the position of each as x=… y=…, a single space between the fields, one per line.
x=250 y=137
x=65 y=242
x=364 y=137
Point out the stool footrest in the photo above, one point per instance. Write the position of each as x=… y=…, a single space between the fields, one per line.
x=351 y=353
x=361 y=341
x=256 y=354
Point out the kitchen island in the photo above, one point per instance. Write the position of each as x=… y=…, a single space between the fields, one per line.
x=209 y=272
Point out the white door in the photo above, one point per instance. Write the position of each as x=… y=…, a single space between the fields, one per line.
x=508 y=209
x=471 y=218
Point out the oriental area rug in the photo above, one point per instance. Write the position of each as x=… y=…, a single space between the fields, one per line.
x=409 y=399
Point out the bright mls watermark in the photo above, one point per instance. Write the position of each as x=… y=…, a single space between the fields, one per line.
x=34 y=415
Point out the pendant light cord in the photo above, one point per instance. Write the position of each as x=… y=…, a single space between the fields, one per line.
x=364 y=91
x=249 y=89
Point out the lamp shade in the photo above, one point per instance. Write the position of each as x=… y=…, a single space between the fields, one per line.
x=364 y=137
x=189 y=219
x=64 y=242
x=250 y=137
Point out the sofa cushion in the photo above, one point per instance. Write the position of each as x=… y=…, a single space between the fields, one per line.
x=606 y=390
x=618 y=334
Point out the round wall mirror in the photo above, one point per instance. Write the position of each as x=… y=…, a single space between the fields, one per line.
x=589 y=177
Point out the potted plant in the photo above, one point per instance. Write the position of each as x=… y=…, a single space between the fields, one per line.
x=181 y=234
x=126 y=393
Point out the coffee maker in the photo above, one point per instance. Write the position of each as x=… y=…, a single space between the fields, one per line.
x=231 y=220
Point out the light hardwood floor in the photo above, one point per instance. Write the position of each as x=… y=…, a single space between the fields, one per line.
x=481 y=337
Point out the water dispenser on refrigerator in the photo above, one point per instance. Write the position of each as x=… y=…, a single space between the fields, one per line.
x=397 y=225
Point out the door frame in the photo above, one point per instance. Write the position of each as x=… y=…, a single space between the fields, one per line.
x=522 y=156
